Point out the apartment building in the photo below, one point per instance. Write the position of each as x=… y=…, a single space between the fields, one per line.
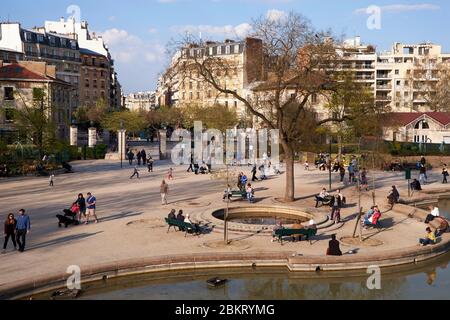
x=409 y=72
x=141 y=101
x=42 y=46
x=243 y=65
x=17 y=83
x=99 y=80
x=10 y=56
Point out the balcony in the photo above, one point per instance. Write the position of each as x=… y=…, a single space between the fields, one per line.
x=384 y=76
x=384 y=87
x=383 y=98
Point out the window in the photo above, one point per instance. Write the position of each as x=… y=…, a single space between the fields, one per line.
x=211 y=51
x=226 y=104
x=219 y=50
x=235 y=104
x=397 y=72
x=28 y=36
x=40 y=38
x=8 y=93
x=314 y=98
x=191 y=96
x=9 y=114
x=227 y=49
x=52 y=41
x=399 y=82
x=198 y=95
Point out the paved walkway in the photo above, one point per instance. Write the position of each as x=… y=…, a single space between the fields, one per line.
x=132 y=224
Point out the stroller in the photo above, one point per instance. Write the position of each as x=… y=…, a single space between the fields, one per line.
x=69 y=217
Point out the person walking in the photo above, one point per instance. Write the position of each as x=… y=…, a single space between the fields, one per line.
x=170 y=174
x=445 y=174
x=139 y=158
x=10 y=232
x=254 y=178
x=164 y=190
x=342 y=172
x=144 y=157
x=135 y=173
x=23 y=227
x=51 y=180
x=250 y=193
x=81 y=202
x=422 y=174
x=150 y=164
x=91 y=207
x=130 y=157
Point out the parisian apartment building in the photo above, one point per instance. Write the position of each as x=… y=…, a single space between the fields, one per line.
x=400 y=79
x=81 y=58
x=140 y=101
x=17 y=84
x=178 y=86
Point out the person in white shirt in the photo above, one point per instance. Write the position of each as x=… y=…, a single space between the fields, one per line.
x=434 y=213
x=51 y=180
x=322 y=196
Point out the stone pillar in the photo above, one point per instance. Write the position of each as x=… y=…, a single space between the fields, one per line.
x=162 y=143
x=122 y=143
x=73 y=135
x=92 y=137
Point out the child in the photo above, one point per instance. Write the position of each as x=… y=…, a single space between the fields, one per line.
x=51 y=180
x=170 y=174
x=306 y=166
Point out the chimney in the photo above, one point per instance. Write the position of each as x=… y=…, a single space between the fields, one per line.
x=61 y=19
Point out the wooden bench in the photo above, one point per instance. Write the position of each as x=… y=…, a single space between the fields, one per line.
x=308 y=233
x=187 y=227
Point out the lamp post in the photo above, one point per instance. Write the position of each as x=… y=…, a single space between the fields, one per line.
x=121 y=144
x=330 y=142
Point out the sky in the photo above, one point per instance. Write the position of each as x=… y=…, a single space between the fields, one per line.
x=137 y=31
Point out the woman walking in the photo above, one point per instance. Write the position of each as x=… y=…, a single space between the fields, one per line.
x=81 y=202
x=10 y=231
x=164 y=189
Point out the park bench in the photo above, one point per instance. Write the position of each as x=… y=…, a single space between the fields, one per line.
x=325 y=202
x=237 y=194
x=186 y=227
x=308 y=233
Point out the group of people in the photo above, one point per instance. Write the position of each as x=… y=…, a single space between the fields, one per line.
x=181 y=217
x=85 y=207
x=372 y=217
x=141 y=159
x=437 y=225
x=16 y=229
x=246 y=187
x=336 y=202
x=296 y=226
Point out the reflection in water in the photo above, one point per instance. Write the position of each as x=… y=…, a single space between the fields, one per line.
x=430 y=280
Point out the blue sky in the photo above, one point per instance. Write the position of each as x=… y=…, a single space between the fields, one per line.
x=137 y=31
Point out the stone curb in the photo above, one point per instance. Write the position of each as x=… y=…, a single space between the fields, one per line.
x=290 y=260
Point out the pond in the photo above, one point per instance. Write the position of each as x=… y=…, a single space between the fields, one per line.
x=430 y=280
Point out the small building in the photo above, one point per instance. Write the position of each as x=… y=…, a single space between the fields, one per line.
x=427 y=127
x=17 y=84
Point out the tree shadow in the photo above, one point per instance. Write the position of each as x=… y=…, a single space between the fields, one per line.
x=63 y=240
x=121 y=216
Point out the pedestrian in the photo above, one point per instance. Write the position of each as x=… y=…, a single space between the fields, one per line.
x=336 y=205
x=139 y=158
x=306 y=165
x=144 y=157
x=10 y=231
x=342 y=172
x=445 y=174
x=244 y=180
x=254 y=178
x=130 y=157
x=135 y=172
x=351 y=173
x=91 y=207
x=364 y=181
x=23 y=227
x=51 y=180
x=81 y=202
x=423 y=174
x=170 y=174
x=150 y=164
x=164 y=190
x=250 y=193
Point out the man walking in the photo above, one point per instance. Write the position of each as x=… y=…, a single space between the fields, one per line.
x=144 y=157
x=91 y=202
x=23 y=227
x=164 y=189
x=150 y=164
x=254 y=178
x=130 y=157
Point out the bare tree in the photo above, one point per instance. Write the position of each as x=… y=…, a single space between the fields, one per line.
x=297 y=63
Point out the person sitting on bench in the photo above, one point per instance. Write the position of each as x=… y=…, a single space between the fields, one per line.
x=228 y=193
x=334 y=247
x=322 y=197
x=416 y=186
x=434 y=213
x=195 y=226
x=374 y=219
x=297 y=226
x=171 y=215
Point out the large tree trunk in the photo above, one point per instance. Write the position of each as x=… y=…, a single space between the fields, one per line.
x=289 y=195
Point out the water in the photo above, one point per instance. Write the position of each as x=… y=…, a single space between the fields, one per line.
x=430 y=280
x=444 y=207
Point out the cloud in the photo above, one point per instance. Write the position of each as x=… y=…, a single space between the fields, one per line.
x=239 y=31
x=396 y=8
x=276 y=15
x=112 y=18
x=152 y=30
